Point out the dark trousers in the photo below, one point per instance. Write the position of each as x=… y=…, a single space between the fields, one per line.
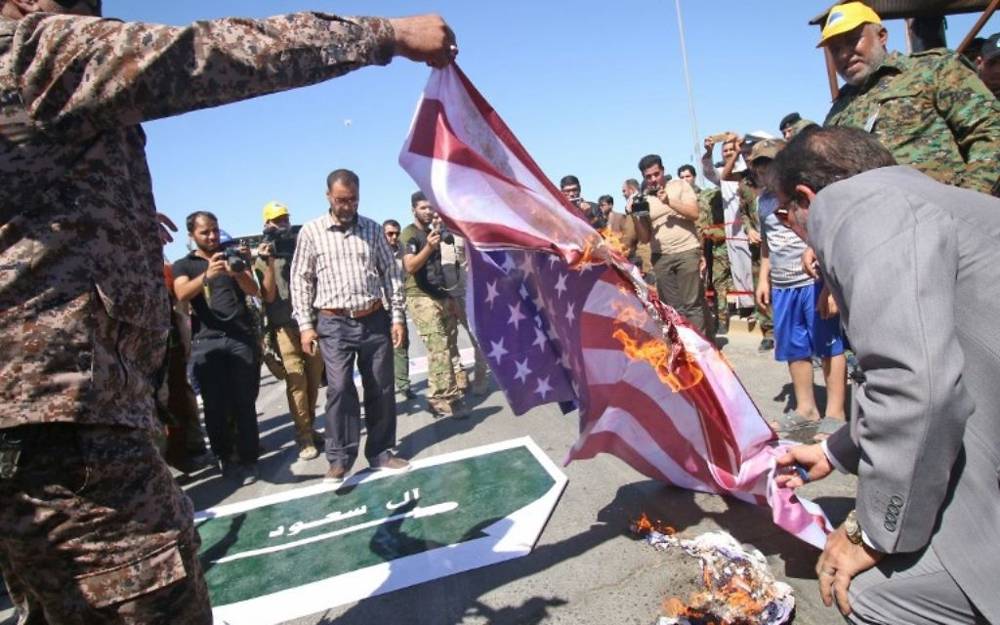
x=228 y=375
x=678 y=283
x=341 y=341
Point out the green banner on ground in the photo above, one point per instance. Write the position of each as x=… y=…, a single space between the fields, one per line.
x=287 y=555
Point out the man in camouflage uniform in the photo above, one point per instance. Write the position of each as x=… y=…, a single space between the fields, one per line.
x=929 y=109
x=431 y=307
x=454 y=264
x=93 y=529
x=401 y=354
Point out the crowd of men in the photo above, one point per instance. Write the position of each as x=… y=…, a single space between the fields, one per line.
x=885 y=208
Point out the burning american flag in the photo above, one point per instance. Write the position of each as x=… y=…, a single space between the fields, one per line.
x=565 y=318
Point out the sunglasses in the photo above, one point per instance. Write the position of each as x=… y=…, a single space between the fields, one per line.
x=93 y=5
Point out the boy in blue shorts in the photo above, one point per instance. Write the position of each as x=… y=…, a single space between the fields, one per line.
x=805 y=319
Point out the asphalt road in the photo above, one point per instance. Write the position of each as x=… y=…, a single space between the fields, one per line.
x=585 y=569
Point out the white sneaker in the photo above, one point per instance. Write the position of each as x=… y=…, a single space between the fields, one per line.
x=308 y=453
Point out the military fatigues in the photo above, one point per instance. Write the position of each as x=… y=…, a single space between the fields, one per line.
x=303 y=372
x=453 y=261
x=712 y=227
x=933 y=113
x=762 y=316
x=92 y=527
x=718 y=274
x=401 y=354
x=435 y=313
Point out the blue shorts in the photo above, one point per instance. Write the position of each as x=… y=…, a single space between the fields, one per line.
x=799 y=332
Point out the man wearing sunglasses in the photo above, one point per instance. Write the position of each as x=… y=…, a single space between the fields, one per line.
x=92 y=526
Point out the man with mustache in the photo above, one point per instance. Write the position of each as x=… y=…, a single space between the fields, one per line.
x=930 y=109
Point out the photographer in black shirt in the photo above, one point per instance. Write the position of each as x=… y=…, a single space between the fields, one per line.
x=216 y=279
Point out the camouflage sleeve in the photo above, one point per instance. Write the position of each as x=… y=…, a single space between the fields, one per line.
x=973 y=114
x=747 y=218
x=80 y=75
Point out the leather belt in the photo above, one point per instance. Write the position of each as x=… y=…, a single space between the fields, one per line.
x=352 y=313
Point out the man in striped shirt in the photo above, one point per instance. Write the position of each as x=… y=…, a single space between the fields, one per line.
x=342 y=269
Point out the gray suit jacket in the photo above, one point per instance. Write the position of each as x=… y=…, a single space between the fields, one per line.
x=915 y=266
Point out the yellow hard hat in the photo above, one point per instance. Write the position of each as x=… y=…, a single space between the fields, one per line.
x=273 y=210
x=846 y=17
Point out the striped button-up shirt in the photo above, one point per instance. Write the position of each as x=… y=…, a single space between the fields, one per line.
x=343 y=269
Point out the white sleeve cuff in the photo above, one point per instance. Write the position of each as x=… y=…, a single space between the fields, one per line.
x=832 y=459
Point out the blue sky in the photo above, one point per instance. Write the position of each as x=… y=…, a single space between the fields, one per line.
x=588 y=86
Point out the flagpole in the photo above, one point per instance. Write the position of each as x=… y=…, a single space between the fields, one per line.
x=690 y=93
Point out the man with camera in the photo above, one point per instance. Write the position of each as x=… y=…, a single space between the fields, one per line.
x=431 y=306
x=673 y=210
x=216 y=279
x=303 y=372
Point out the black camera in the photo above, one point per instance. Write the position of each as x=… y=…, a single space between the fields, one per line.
x=281 y=240
x=446 y=236
x=234 y=259
x=640 y=204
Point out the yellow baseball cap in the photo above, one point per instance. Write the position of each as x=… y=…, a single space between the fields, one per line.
x=273 y=210
x=846 y=17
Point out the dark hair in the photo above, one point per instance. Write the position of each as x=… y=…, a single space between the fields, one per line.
x=390 y=222
x=649 y=160
x=606 y=199
x=192 y=219
x=818 y=157
x=974 y=49
x=344 y=177
x=788 y=120
x=632 y=183
x=416 y=198
x=568 y=180
x=690 y=168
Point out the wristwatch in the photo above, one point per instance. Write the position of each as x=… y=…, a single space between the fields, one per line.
x=852 y=528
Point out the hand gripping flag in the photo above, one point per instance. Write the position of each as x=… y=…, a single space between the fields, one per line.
x=564 y=317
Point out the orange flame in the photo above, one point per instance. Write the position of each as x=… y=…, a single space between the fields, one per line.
x=684 y=375
x=613 y=240
x=643 y=526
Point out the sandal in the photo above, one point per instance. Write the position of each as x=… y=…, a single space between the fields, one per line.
x=826 y=427
x=790 y=421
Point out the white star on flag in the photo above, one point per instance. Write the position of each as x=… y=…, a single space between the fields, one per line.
x=540 y=339
x=516 y=316
x=498 y=351
x=561 y=284
x=570 y=315
x=491 y=293
x=522 y=370
x=543 y=387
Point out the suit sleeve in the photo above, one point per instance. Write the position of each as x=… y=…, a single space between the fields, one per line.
x=82 y=75
x=895 y=269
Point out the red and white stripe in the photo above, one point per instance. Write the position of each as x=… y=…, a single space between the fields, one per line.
x=709 y=437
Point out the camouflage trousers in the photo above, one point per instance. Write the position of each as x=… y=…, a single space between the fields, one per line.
x=763 y=317
x=437 y=324
x=94 y=530
x=401 y=365
x=481 y=369
x=721 y=281
x=303 y=374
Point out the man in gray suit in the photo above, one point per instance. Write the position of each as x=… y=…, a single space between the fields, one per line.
x=923 y=545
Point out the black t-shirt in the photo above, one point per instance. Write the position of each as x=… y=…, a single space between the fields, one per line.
x=429 y=279
x=221 y=307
